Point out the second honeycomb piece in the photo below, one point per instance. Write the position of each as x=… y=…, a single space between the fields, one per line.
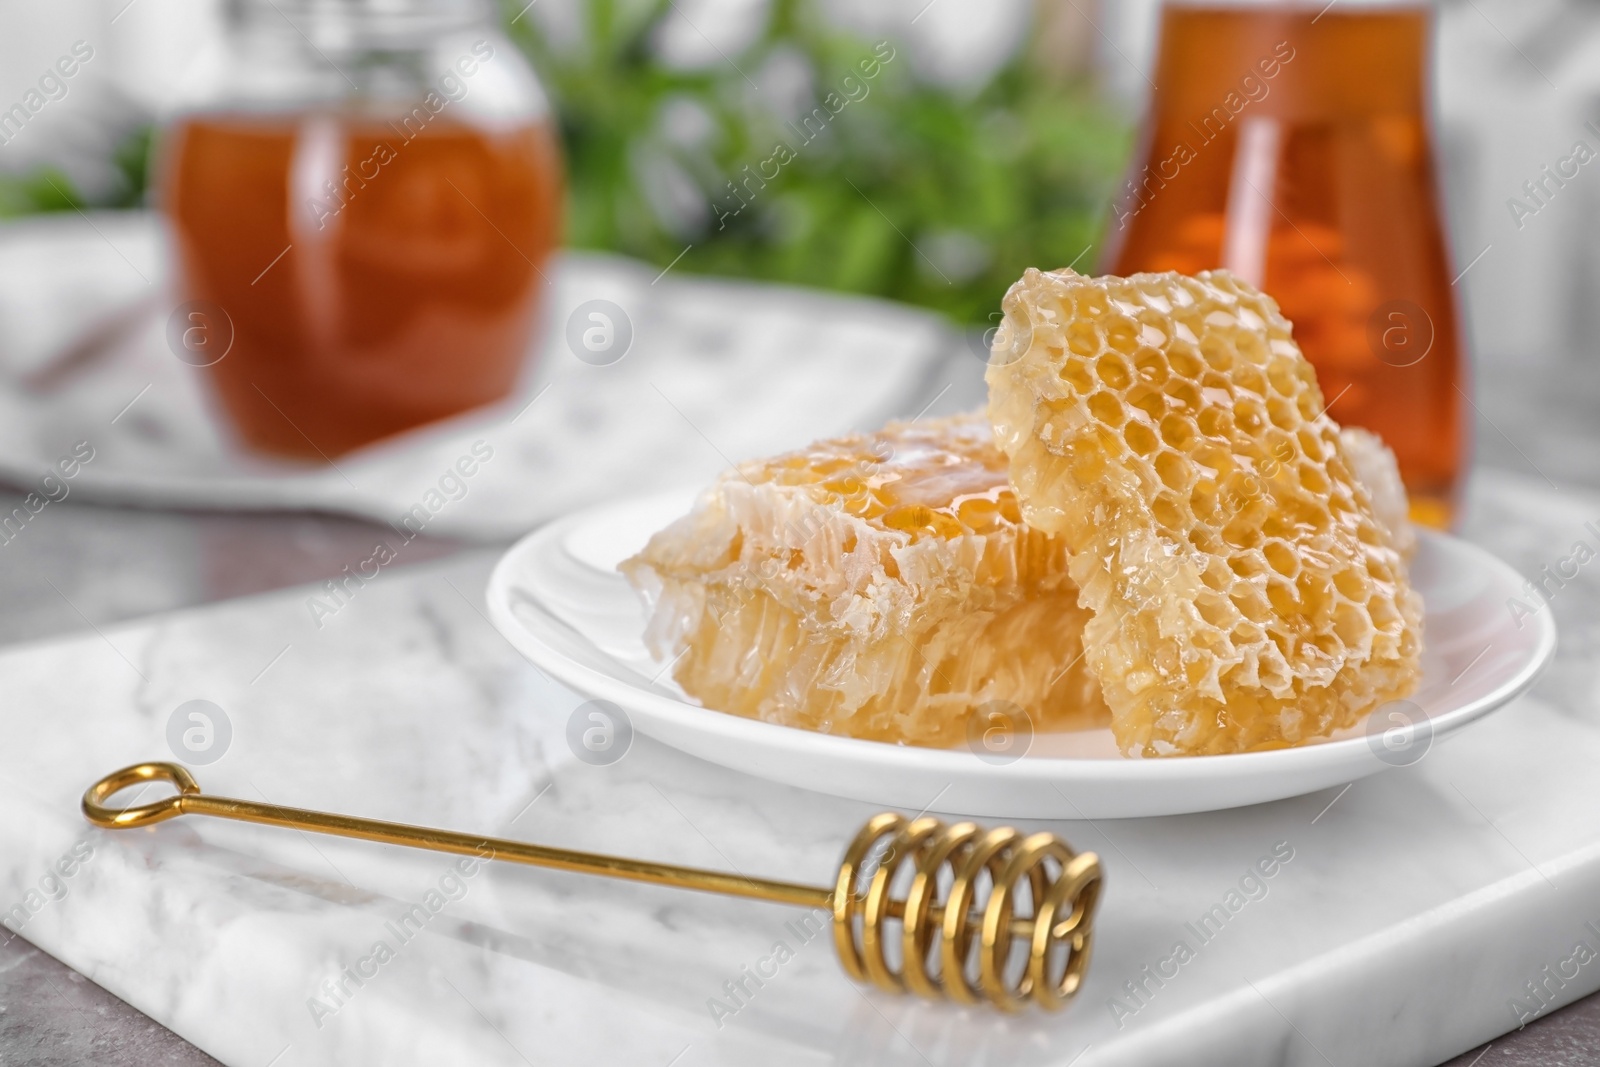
x=1245 y=595
x=879 y=586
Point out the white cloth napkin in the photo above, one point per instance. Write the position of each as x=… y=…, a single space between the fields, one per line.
x=718 y=370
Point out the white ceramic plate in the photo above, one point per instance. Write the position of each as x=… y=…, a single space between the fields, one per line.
x=556 y=595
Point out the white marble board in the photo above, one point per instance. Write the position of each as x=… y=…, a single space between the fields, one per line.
x=1402 y=930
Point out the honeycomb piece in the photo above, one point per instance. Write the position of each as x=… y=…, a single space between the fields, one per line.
x=878 y=586
x=1376 y=468
x=1245 y=596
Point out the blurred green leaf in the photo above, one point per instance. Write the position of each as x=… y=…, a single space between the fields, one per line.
x=912 y=191
x=47 y=188
x=132 y=161
x=43 y=189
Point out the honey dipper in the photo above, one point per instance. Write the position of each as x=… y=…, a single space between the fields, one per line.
x=957 y=935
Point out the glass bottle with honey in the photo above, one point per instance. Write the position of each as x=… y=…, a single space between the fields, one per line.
x=1290 y=144
x=363 y=200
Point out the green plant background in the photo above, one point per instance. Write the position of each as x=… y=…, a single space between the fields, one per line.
x=917 y=192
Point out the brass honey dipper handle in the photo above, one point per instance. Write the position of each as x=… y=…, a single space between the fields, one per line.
x=189 y=800
x=959 y=933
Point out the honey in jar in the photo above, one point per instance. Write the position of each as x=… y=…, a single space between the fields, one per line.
x=367 y=211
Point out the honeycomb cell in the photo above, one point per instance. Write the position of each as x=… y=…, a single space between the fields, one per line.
x=919 y=520
x=878 y=586
x=1283 y=413
x=1141 y=438
x=1313 y=479
x=1185 y=394
x=1106 y=409
x=1247 y=565
x=1168 y=511
x=1205 y=539
x=1316 y=590
x=1385 y=618
x=1216 y=421
x=1283 y=378
x=1216 y=610
x=1310 y=444
x=1251 y=380
x=1084 y=338
x=1184 y=363
x=1174 y=471
x=979 y=514
x=1352 y=584
x=1242 y=531
x=1218 y=352
x=1114 y=372
x=1178 y=432
x=1284 y=599
x=1215 y=457
x=1150 y=365
x=1148 y=400
x=1303 y=619
x=1076 y=374
x=1351 y=624
x=1122 y=336
x=1217 y=574
x=1252 y=603
x=1253 y=347
x=1156 y=300
x=1281 y=558
x=1151 y=334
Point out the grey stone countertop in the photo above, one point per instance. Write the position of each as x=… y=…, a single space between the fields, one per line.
x=1536 y=479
